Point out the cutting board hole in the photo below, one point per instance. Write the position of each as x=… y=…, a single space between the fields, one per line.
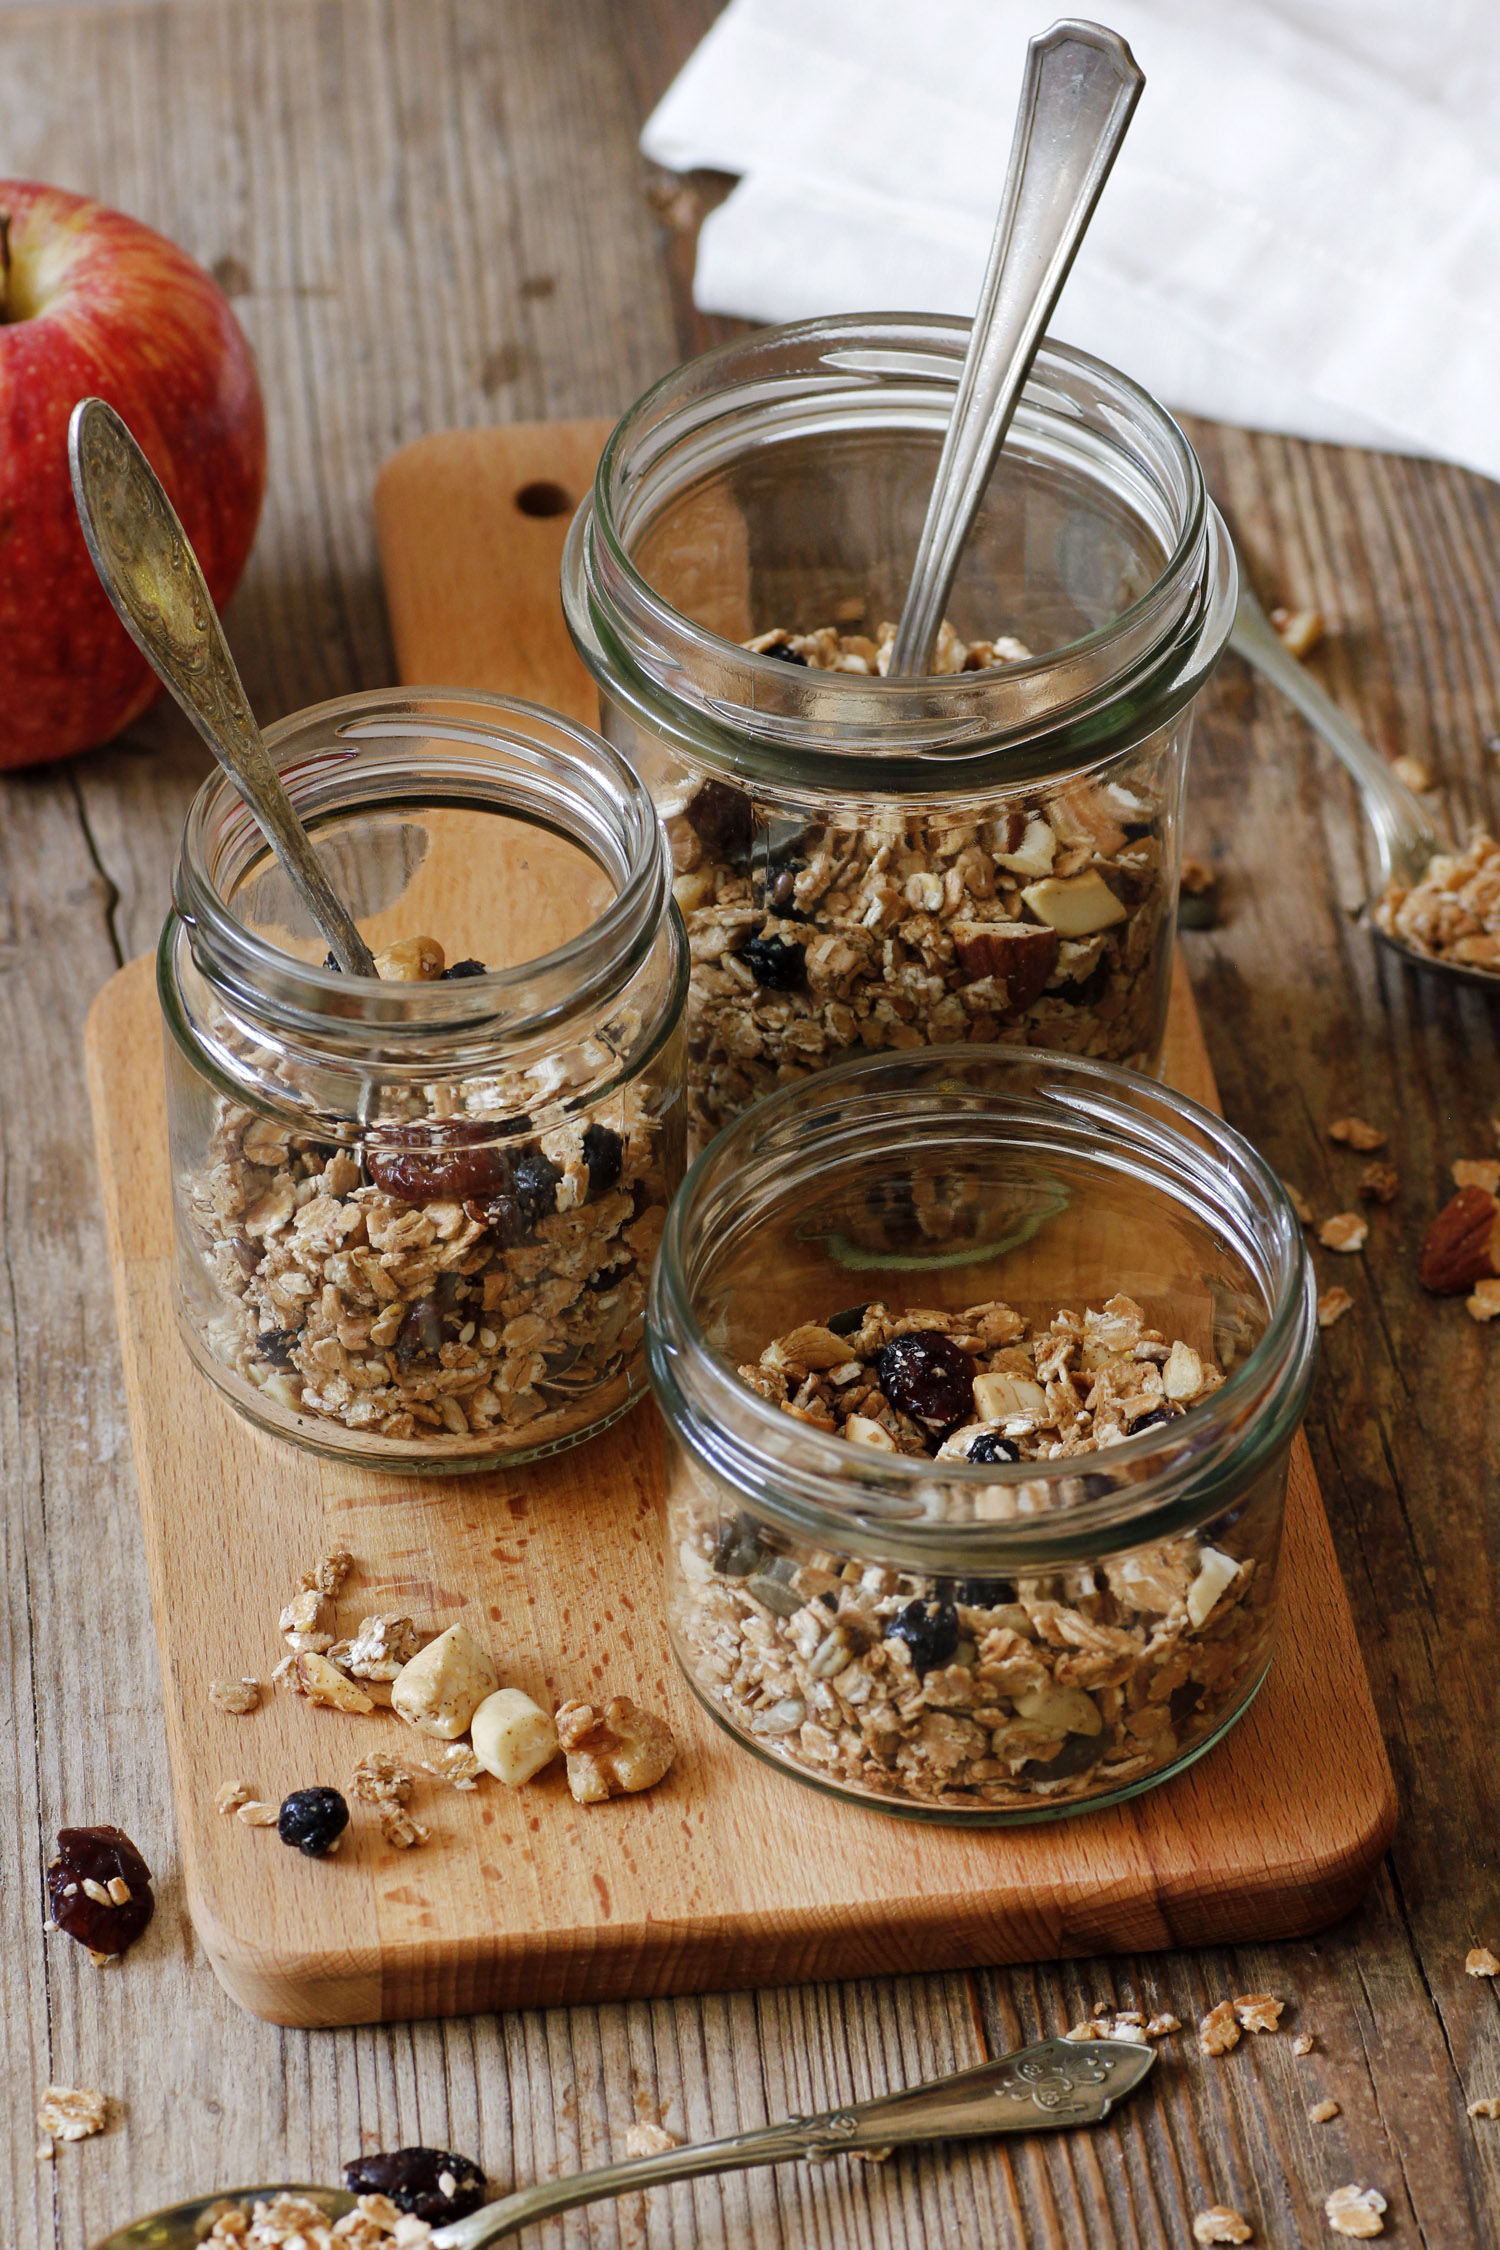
x=543 y=499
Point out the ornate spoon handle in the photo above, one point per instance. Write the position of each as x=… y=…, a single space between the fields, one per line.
x=150 y=573
x=1059 y=2082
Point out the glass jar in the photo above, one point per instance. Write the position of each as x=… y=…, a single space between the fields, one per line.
x=415 y=1220
x=980 y=1368
x=869 y=863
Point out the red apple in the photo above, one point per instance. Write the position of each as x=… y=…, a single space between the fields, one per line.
x=95 y=304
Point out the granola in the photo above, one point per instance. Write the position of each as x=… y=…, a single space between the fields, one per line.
x=73 y=2113
x=973 y=1692
x=295 y=2222
x=1040 y=918
x=1221 y=2223
x=1453 y=914
x=239 y=1697
x=1356 y=2211
x=474 y=1266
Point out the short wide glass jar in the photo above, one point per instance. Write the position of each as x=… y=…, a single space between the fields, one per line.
x=980 y=1369
x=416 y=1219
x=989 y=852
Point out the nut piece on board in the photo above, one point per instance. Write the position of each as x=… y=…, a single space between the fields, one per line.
x=72 y=2113
x=625 y=1750
x=1461 y=1244
x=323 y=1683
x=442 y=1687
x=513 y=1737
x=1355 y=2211
x=1220 y=2223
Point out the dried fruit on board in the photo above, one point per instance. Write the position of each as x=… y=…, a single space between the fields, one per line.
x=1462 y=1245
x=99 y=1888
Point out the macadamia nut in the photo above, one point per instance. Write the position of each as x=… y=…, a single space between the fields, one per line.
x=442 y=1687
x=513 y=1737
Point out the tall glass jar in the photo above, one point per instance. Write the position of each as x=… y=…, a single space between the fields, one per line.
x=415 y=1219
x=867 y=863
x=980 y=1369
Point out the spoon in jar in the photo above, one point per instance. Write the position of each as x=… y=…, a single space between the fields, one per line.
x=1077 y=99
x=1059 y=2082
x=150 y=573
x=1404 y=838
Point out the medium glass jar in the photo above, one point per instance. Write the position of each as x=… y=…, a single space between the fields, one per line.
x=415 y=1220
x=867 y=863
x=980 y=1369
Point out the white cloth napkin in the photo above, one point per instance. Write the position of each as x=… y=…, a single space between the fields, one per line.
x=1302 y=232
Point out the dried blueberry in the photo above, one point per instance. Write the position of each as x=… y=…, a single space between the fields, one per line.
x=442 y=1159
x=721 y=818
x=528 y=1193
x=1184 y=1701
x=773 y=963
x=421 y=1332
x=99 y=1856
x=930 y=1631
x=738 y=1548
x=984 y=1593
x=1078 y=1753
x=604 y=1154
x=413 y=2177
x=784 y=653
x=607 y=1276
x=848 y=1322
x=469 y=968
x=927 y=1376
x=278 y=1344
x=991 y=1446
x=312 y=1820
x=1152 y=1421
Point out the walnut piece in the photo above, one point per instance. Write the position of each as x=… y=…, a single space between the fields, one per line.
x=1219 y=2223
x=1332 y=1305
x=73 y=2113
x=330 y=1570
x=237 y=1696
x=1480 y=1962
x=1488 y=2105
x=1355 y=1133
x=624 y=1751
x=1257 y=2011
x=1356 y=2211
x=1218 y=2031
x=1345 y=1232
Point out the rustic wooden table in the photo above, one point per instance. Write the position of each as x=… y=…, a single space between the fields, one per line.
x=431 y=213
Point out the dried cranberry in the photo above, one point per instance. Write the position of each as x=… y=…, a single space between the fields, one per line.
x=604 y=1154
x=312 y=1820
x=441 y=1160
x=927 y=1376
x=469 y=968
x=101 y=1856
x=774 y=963
x=421 y=1333
x=721 y=818
x=411 y=2177
x=930 y=1631
x=991 y=1446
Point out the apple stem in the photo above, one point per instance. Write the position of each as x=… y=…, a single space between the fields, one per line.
x=4 y=264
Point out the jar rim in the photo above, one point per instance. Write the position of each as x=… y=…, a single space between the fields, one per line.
x=815 y=1485
x=645 y=652
x=589 y=793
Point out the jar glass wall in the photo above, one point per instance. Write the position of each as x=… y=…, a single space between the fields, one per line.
x=866 y=863
x=415 y=1220
x=980 y=1369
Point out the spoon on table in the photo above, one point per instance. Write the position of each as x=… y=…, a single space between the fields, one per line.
x=1404 y=838
x=1059 y=2082
x=150 y=573
x=1077 y=99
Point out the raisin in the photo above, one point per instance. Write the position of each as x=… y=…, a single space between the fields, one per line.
x=1078 y=1753
x=984 y=1593
x=721 y=819
x=99 y=1855
x=930 y=1631
x=927 y=1376
x=991 y=1446
x=1153 y=1421
x=411 y=2177
x=784 y=653
x=441 y=1161
x=421 y=1333
x=604 y=1154
x=738 y=1549
x=846 y=1323
x=1183 y=1701
x=528 y=1195
x=469 y=968
x=773 y=963
x=278 y=1344
x=312 y=1820
x=607 y=1276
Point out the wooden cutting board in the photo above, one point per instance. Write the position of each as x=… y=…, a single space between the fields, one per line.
x=728 y=1873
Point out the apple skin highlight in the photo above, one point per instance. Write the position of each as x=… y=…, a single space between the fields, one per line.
x=94 y=304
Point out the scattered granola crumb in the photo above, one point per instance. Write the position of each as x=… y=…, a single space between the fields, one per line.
x=1161 y=2026
x=453 y=1762
x=1356 y=2211
x=294 y=2222
x=1299 y=1203
x=73 y=2113
x=643 y=2139
x=1355 y=1133
x=1332 y=1305
x=1220 y=2223
x=1258 y=2011
x=329 y=1573
x=1345 y=1232
x=1453 y=914
x=1322 y=2113
x=1381 y=1183
x=1484 y=1302
x=240 y=1697
x=257 y=1815
x=380 y=1779
x=615 y=1752
x=1298 y=630
x=1218 y=2031
x=1480 y=1962
x=398 y=1827
x=1481 y=1172
x=1413 y=773
x=230 y=1795
x=1302 y=2043
x=46 y=2152
x=1488 y=2105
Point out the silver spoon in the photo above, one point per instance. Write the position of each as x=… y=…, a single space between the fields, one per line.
x=1404 y=838
x=150 y=573
x=1078 y=96
x=1059 y=2082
